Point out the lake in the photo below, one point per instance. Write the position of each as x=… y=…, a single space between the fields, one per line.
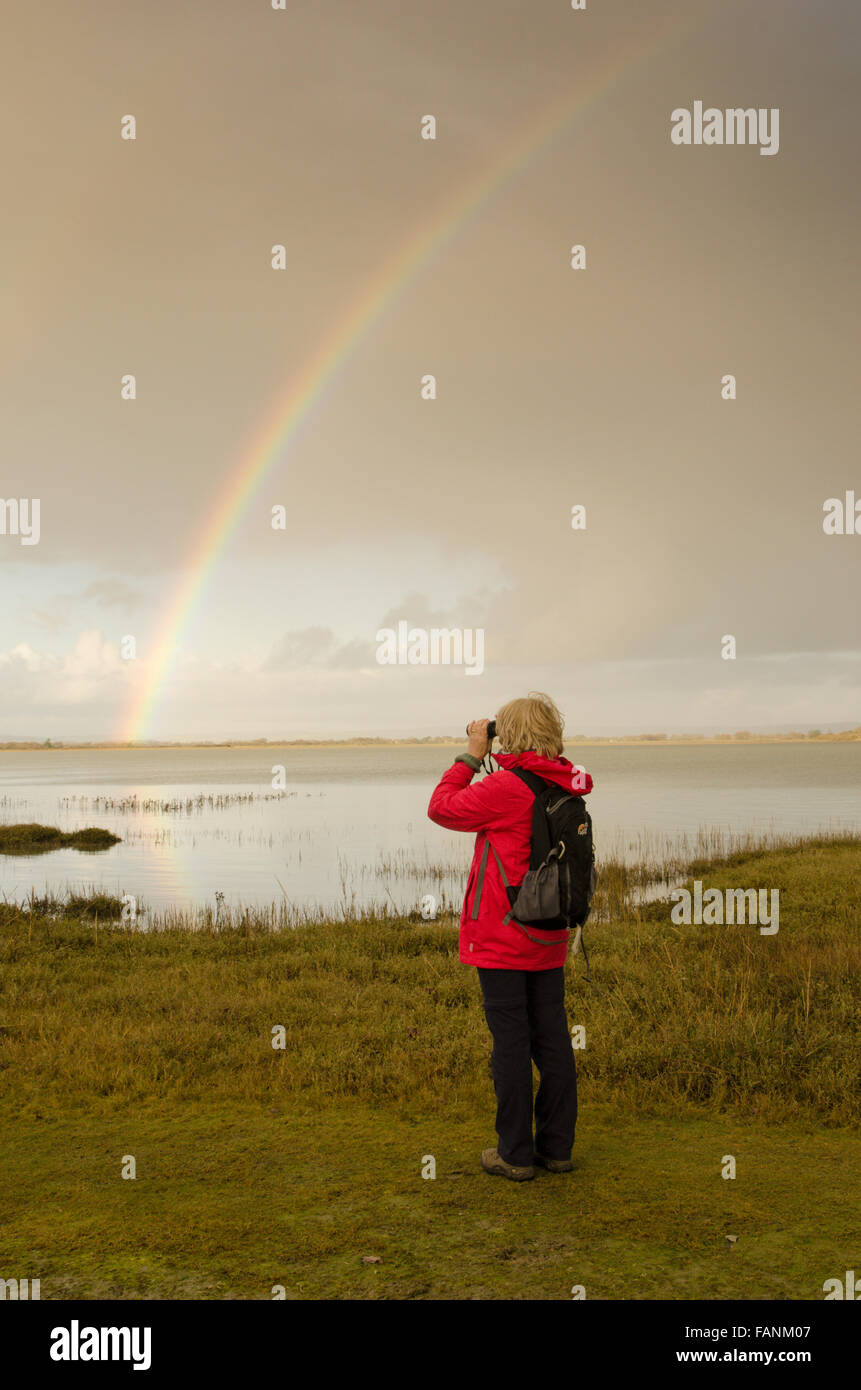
x=351 y=827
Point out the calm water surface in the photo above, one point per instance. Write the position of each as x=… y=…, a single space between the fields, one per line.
x=351 y=827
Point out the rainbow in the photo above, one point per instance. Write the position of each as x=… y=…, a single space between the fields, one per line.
x=324 y=365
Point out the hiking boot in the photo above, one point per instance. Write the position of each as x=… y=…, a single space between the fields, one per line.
x=554 y=1165
x=492 y=1163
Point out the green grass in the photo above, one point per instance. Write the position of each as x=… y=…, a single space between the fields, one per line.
x=41 y=839
x=258 y=1167
x=227 y=1203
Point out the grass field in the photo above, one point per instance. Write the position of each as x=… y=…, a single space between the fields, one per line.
x=259 y=1167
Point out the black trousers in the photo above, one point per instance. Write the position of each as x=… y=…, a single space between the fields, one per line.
x=525 y=1012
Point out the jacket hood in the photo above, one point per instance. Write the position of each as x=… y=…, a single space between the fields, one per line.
x=558 y=770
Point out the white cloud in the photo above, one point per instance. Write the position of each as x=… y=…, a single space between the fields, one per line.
x=32 y=679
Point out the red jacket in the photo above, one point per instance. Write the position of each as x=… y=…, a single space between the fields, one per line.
x=499 y=808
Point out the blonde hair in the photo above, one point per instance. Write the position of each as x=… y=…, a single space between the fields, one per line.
x=531 y=723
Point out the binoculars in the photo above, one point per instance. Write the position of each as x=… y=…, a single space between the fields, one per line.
x=491 y=729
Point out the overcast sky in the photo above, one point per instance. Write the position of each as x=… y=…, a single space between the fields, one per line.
x=556 y=387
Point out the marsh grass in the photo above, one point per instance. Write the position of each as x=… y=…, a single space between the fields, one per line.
x=135 y=805
x=31 y=838
x=632 y=871
x=378 y=1007
x=73 y=906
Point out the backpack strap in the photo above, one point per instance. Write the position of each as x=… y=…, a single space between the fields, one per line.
x=579 y=943
x=542 y=840
x=535 y=783
x=482 y=870
x=481 y=873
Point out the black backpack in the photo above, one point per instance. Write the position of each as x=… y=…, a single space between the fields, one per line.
x=556 y=893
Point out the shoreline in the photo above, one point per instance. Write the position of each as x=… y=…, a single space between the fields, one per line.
x=651 y=741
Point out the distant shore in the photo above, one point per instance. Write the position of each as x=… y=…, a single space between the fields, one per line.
x=623 y=741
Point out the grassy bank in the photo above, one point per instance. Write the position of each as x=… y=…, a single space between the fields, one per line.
x=41 y=839
x=258 y=1166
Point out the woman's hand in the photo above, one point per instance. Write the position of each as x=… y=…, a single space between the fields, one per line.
x=479 y=744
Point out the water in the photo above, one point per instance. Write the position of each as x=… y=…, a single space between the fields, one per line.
x=352 y=829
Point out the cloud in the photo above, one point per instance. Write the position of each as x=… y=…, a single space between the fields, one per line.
x=52 y=621
x=468 y=611
x=111 y=593
x=318 y=648
x=104 y=593
x=317 y=683
x=34 y=680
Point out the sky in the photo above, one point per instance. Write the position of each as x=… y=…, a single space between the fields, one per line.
x=601 y=387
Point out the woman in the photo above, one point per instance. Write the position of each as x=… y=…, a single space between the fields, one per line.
x=522 y=976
